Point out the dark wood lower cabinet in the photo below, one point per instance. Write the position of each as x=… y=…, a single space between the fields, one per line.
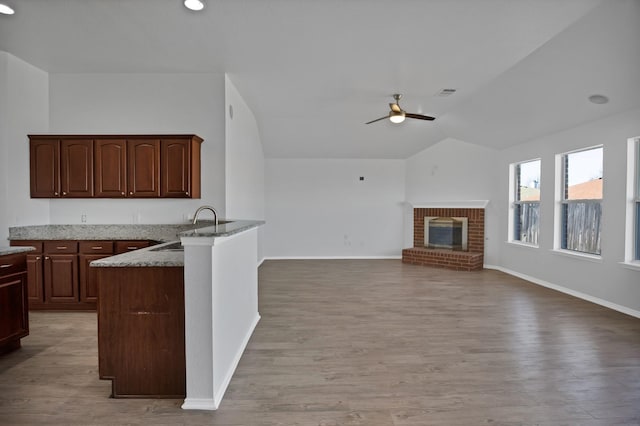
x=14 y=305
x=61 y=278
x=141 y=331
x=35 y=279
x=58 y=273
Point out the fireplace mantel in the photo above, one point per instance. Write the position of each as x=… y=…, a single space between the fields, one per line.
x=460 y=204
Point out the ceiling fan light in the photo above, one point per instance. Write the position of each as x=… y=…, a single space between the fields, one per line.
x=6 y=9
x=194 y=4
x=396 y=117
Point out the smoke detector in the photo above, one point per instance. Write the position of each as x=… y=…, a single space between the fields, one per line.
x=446 y=92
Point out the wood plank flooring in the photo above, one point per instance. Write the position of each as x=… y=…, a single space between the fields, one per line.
x=367 y=342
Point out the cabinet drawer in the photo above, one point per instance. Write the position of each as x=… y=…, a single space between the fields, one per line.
x=125 y=246
x=51 y=247
x=96 y=247
x=13 y=264
x=28 y=243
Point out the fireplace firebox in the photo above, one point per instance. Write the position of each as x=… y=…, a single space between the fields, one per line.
x=446 y=233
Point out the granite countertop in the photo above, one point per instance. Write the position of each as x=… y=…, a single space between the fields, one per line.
x=155 y=257
x=223 y=229
x=146 y=257
x=163 y=232
x=14 y=250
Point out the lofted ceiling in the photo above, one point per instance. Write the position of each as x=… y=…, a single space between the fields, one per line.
x=314 y=72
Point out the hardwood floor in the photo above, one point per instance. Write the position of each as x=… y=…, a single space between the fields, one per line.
x=367 y=342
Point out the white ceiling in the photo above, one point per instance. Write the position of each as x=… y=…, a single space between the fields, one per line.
x=315 y=71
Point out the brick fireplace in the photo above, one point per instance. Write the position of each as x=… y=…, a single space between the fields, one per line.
x=470 y=260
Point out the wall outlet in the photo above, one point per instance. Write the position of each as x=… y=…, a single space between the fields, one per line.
x=83 y=218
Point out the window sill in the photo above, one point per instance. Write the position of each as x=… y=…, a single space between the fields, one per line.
x=634 y=265
x=577 y=255
x=519 y=244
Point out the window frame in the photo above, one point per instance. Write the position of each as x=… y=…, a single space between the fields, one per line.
x=632 y=226
x=515 y=203
x=562 y=205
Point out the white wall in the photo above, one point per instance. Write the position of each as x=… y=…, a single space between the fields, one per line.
x=244 y=172
x=142 y=103
x=320 y=208
x=453 y=170
x=24 y=109
x=606 y=280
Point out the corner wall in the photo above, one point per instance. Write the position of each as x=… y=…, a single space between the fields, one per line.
x=24 y=109
x=142 y=103
x=244 y=171
x=605 y=280
x=319 y=208
x=453 y=170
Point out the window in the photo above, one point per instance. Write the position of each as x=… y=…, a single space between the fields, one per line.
x=581 y=200
x=525 y=202
x=632 y=249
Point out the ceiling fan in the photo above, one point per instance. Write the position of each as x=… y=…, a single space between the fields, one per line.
x=397 y=114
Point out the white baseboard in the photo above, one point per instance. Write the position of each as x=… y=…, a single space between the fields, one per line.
x=199 y=404
x=219 y=393
x=330 y=257
x=578 y=294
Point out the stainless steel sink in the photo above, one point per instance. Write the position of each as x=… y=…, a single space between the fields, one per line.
x=177 y=246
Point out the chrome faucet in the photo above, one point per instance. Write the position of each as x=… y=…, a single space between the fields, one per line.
x=215 y=214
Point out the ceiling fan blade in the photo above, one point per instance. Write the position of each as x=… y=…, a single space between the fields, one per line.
x=419 y=116
x=377 y=119
x=395 y=107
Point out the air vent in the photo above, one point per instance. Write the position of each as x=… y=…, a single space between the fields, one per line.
x=446 y=92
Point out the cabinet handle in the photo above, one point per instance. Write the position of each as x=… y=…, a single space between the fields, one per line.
x=122 y=193
x=6 y=266
x=131 y=193
x=64 y=193
x=96 y=247
x=55 y=193
x=46 y=258
x=37 y=257
x=61 y=247
x=186 y=193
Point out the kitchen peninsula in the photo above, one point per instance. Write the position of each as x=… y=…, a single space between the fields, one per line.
x=214 y=279
x=220 y=304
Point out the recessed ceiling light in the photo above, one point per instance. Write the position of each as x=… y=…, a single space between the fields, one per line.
x=6 y=10
x=194 y=4
x=598 y=99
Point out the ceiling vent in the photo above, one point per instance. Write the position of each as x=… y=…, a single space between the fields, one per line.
x=446 y=92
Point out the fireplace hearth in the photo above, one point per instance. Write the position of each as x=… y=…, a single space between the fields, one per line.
x=451 y=238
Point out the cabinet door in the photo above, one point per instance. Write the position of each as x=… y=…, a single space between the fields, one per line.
x=110 y=168
x=176 y=168
x=61 y=278
x=143 y=167
x=88 y=277
x=76 y=168
x=14 y=308
x=35 y=283
x=44 y=168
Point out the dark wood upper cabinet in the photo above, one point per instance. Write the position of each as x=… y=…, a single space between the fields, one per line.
x=180 y=169
x=76 y=168
x=143 y=163
x=44 y=158
x=115 y=166
x=110 y=168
